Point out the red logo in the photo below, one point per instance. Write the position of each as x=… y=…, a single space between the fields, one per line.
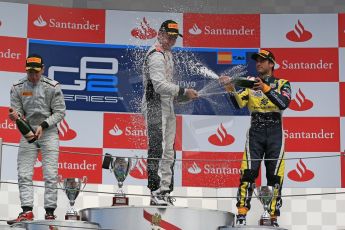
x=206 y=169
x=307 y=64
x=140 y=169
x=299 y=34
x=222 y=30
x=300 y=103
x=342 y=99
x=12 y=54
x=66 y=24
x=145 y=31
x=301 y=173
x=8 y=128
x=221 y=137
x=71 y=164
x=156 y=220
x=65 y=132
x=312 y=134
x=124 y=131
x=341 y=31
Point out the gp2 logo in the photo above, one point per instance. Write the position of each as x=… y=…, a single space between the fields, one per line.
x=91 y=79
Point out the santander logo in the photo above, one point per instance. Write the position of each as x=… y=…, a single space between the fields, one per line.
x=40 y=22
x=140 y=169
x=195 y=30
x=300 y=103
x=221 y=137
x=65 y=132
x=194 y=169
x=299 y=34
x=301 y=174
x=144 y=32
x=115 y=131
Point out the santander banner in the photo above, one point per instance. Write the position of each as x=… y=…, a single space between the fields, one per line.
x=129 y=131
x=88 y=164
x=307 y=64
x=66 y=24
x=12 y=54
x=212 y=171
x=312 y=134
x=207 y=30
x=124 y=131
x=8 y=128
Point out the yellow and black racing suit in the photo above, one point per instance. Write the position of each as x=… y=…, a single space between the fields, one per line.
x=265 y=139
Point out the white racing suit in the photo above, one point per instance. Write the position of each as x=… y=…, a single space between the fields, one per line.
x=158 y=109
x=40 y=104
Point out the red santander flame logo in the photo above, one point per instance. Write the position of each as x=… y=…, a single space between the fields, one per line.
x=221 y=137
x=144 y=32
x=65 y=132
x=299 y=34
x=301 y=174
x=300 y=103
x=140 y=169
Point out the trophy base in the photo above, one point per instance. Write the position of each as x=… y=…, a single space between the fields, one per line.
x=72 y=217
x=265 y=222
x=120 y=201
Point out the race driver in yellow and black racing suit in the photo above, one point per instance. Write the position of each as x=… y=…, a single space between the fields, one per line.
x=266 y=102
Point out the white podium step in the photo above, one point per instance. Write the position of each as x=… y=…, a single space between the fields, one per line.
x=250 y=227
x=156 y=217
x=55 y=224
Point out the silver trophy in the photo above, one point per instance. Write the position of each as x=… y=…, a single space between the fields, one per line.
x=120 y=166
x=265 y=194
x=72 y=188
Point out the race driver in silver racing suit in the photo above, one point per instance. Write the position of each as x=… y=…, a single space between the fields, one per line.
x=40 y=100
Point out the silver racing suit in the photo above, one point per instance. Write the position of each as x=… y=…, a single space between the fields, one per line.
x=41 y=104
x=158 y=109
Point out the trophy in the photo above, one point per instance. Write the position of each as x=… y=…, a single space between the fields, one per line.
x=120 y=166
x=265 y=195
x=72 y=187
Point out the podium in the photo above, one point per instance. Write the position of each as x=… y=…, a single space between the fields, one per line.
x=156 y=217
x=54 y=225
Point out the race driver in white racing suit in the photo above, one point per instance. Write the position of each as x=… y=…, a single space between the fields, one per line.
x=40 y=100
x=158 y=109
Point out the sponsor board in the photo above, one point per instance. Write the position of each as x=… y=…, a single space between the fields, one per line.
x=304 y=172
x=66 y=24
x=211 y=169
x=218 y=134
x=221 y=30
x=137 y=28
x=81 y=128
x=307 y=64
x=313 y=99
x=75 y=162
x=13 y=19
x=12 y=54
x=299 y=30
x=312 y=134
x=8 y=129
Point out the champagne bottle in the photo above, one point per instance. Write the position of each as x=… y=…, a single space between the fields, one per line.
x=26 y=130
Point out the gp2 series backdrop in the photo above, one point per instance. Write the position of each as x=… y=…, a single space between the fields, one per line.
x=97 y=55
